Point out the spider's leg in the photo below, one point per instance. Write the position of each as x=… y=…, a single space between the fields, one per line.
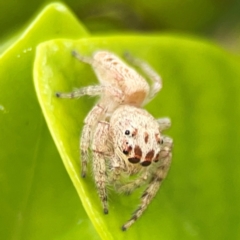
x=94 y=90
x=101 y=150
x=166 y=148
x=129 y=187
x=97 y=113
x=153 y=186
x=164 y=123
x=150 y=73
x=90 y=121
x=85 y=59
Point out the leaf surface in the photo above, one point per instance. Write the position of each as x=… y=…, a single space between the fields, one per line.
x=38 y=200
x=199 y=198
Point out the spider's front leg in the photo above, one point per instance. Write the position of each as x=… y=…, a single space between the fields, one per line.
x=155 y=182
x=101 y=151
x=97 y=113
x=90 y=121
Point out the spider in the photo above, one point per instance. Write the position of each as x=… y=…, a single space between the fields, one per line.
x=125 y=140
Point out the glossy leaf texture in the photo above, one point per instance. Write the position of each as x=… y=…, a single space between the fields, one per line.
x=200 y=197
x=38 y=200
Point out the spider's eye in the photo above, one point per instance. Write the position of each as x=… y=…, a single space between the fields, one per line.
x=125 y=152
x=127 y=132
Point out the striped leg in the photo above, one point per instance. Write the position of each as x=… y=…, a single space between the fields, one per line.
x=156 y=180
x=101 y=151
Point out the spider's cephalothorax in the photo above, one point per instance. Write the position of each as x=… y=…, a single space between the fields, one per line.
x=135 y=133
x=124 y=138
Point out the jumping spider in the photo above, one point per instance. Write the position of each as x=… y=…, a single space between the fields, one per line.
x=125 y=140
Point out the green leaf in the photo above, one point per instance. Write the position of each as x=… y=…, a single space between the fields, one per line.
x=37 y=200
x=200 y=197
x=118 y=15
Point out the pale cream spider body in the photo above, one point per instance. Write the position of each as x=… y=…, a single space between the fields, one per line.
x=124 y=139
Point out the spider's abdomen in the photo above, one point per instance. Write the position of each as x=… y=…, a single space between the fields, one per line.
x=111 y=70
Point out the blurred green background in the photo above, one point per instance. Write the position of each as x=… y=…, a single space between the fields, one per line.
x=43 y=200
x=218 y=20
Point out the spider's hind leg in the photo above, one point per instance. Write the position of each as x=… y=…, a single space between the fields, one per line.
x=150 y=73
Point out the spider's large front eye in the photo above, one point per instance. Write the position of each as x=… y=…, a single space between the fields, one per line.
x=134 y=160
x=127 y=132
